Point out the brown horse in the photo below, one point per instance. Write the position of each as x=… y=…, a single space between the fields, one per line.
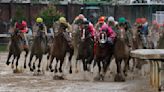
x=59 y=49
x=103 y=53
x=121 y=52
x=15 y=49
x=85 y=49
x=38 y=49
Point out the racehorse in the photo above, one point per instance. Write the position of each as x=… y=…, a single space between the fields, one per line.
x=59 y=49
x=103 y=53
x=85 y=49
x=15 y=48
x=38 y=49
x=121 y=52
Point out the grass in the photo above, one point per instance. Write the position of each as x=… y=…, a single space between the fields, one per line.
x=3 y=47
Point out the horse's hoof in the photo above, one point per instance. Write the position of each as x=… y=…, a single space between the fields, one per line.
x=39 y=71
x=34 y=67
x=31 y=69
x=56 y=70
x=7 y=63
x=70 y=71
x=52 y=70
x=58 y=77
x=24 y=66
x=60 y=71
x=119 y=78
x=47 y=69
x=102 y=77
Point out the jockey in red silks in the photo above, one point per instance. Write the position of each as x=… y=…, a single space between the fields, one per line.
x=110 y=33
x=22 y=28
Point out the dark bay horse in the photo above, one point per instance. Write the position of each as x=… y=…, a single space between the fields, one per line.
x=103 y=53
x=15 y=49
x=59 y=49
x=121 y=53
x=38 y=49
x=85 y=49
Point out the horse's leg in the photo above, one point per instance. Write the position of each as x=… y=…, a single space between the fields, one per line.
x=89 y=61
x=106 y=65
x=118 y=76
x=126 y=66
x=99 y=69
x=34 y=64
x=76 y=70
x=9 y=56
x=70 y=58
x=84 y=65
x=51 y=61
x=17 y=61
x=90 y=58
x=12 y=64
x=27 y=51
x=56 y=65
x=40 y=59
x=48 y=56
x=29 y=64
x=61 y=64
x=134 y=64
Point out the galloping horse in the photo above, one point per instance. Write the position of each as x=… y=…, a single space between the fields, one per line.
x=38 y=49
x=59 y=49
x=103 y=52
x=121 y=52
x=85 y=49
x=15 y=48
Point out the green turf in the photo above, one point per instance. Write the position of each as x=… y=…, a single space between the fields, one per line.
x=3 y=48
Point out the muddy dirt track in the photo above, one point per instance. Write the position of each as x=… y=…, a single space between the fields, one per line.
x=76 y=82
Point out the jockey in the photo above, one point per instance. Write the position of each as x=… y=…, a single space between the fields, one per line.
x=89 y=27
x=154 y=33
x=21 y=26
x=66 y=28
x=123 y=23
x=41 y=29
x=100 y=22
x=111 y=21
x=144 y=32
x=40 y=26
x=110 y=33
x=79 y=20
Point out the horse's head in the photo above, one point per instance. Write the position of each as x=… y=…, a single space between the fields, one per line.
x=84 y=33
x=122 y=33
x=16 y=37
x=103 y=37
